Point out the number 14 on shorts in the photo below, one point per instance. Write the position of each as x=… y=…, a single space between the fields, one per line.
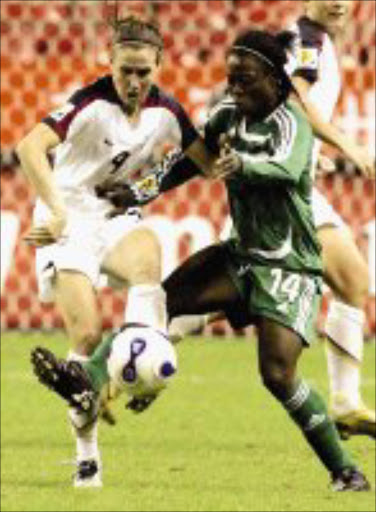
x=285 y=286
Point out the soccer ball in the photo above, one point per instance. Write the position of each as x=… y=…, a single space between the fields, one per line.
x=141 y=362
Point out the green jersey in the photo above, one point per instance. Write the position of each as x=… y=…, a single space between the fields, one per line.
x=270 y=199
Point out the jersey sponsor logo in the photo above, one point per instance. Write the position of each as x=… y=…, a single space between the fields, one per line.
x=61 y=112
x=308 y=58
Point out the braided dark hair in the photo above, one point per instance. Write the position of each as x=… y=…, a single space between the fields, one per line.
x=272 y=50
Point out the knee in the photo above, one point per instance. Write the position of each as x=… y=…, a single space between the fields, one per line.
x=278 y=379
x=86 y=340
x=359 y=287
x=345 y=269
x=352 y=287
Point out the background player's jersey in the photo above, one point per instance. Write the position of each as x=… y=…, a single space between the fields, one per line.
x=99 y=143
x=314 y=58
x=270 y=199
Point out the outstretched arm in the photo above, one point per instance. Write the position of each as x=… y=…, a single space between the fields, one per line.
x=329 y=133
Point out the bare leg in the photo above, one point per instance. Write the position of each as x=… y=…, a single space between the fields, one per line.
x=136 y=260
x=77 y=301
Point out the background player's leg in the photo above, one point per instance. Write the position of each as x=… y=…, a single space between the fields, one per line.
x=346 y=273
x=279 y=350
x=136 y=259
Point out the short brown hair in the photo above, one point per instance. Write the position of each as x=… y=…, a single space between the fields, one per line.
x=133 y=29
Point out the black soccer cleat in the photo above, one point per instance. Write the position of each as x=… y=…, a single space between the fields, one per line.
x=88 y=474
x=66 y=378
x=139 y=403
x=350 y=479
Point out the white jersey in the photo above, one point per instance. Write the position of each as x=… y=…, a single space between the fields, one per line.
x=99 y=142
x=315 y=59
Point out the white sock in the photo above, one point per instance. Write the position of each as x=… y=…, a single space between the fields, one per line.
x=73 y=356
x=344 y=328
x=85 y=431
x=146 y=304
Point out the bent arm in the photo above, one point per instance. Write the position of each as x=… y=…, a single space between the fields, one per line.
x=32 y=152
x=330 y=134
x=202 y=158
x=197 y=160
x=174 y=170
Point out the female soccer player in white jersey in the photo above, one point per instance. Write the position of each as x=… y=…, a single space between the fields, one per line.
x=113 y=129
x=317 y=79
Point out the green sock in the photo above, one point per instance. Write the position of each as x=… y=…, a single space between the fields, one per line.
x=309 y=411
x=96 y=366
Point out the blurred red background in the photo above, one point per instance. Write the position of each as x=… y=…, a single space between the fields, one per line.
x=50 y=48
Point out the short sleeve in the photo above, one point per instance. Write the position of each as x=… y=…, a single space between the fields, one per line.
x=307 y=49
x=66 y=119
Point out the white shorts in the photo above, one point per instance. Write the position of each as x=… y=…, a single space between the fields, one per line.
x=84 y=248
x=324 y=213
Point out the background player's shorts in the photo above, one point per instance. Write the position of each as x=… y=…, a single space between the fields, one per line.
x=87 y=242
x=290 y=298
x=324 y=213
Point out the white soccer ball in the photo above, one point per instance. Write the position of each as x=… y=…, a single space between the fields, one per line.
x=142 y=361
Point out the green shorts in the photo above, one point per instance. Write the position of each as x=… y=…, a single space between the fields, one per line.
x=268 y=291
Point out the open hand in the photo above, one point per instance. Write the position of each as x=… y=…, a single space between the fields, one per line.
x=366 y=163
x=48 y=233
x=228 y=161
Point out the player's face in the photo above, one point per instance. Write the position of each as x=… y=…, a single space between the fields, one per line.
x=332 y=14
x=134 y=69
x=251 y=85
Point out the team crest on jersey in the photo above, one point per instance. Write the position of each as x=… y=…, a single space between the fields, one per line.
x=61 y=112
x=308 y=58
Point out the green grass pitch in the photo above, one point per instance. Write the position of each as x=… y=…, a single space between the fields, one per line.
x=214 y=441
